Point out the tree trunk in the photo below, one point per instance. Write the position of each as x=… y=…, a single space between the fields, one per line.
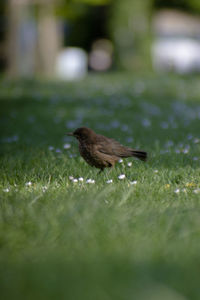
x=49 y=40
x=131 y=33
x=33 y=42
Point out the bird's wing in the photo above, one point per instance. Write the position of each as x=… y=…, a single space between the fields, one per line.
x=111 y=147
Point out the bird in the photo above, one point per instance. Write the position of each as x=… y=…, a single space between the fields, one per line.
x=100 y=151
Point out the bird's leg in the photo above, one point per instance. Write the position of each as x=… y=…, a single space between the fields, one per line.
x=100 y=171
x=107 y=172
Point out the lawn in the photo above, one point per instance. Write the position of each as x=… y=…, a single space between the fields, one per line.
x=67 y=232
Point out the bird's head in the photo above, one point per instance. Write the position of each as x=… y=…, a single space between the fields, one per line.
x=83 y=134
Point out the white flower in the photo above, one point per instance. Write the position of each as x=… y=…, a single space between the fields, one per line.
x=177 y=191
x=164 y=125
x=80 y=179
x=44 y=188
x=122 y=176
x=146 y=122
x=10 y=139
x=28 y=183
x=115 y=124
x=75 y=180
x=51 y=148
x=196 y=191
x=155 y=171
x=15 y=138
x=71 y=177
x=120 y=161
x=129 y=139
x=124 y=127
x=109 y=181
x=169 y=144
x=58 y=151
x=129 y=164
x=6 y=190
x=90 y=180
x=185 y=151
x=196 y=141
x=164 y=151
x=66 y=146
x=133 y=182
x=190 y=136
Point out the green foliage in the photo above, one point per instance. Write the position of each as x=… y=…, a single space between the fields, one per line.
x=92 y=2
x=195 y=5
x=71 y=11
x=74 y=9
x=187 y=5
x=131 y=33
x=61 y=239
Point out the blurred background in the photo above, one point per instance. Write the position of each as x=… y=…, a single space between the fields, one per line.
x=64 y=238
x=68 y=38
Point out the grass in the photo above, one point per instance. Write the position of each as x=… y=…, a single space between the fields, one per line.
x=61 y=239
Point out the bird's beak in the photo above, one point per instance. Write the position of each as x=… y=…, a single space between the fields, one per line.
x=70 y=133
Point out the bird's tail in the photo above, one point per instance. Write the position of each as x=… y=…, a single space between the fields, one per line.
x=142 y=155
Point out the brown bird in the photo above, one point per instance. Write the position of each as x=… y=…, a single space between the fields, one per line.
x=100 y=151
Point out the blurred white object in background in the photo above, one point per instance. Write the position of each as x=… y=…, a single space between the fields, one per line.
x=100 y=58
x=179 y=54
x=177 y=41
x=71 y=63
